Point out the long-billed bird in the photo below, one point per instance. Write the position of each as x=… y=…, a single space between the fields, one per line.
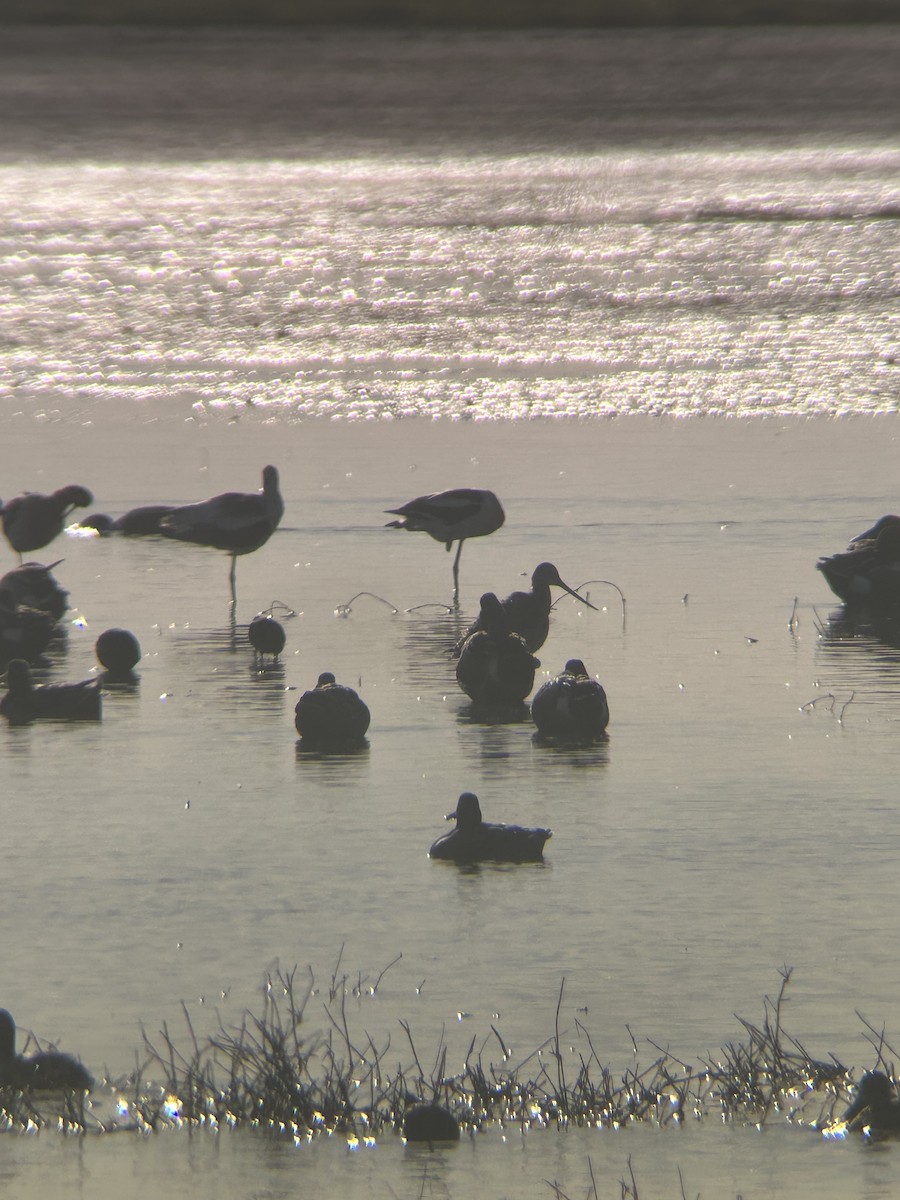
x=529 y=612
x=452 y=516
x=236 y=522
x=32 y=520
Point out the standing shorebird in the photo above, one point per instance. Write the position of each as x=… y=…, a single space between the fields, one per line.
x=451 y=517
x=236 y=522
x=32 y=520
x=529 y=612
x=572 y=707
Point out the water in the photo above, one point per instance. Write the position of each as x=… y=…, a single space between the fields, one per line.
x=304 y=266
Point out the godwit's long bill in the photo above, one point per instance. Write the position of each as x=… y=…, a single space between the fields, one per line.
x=451 y=516
x=529 y=612
x=236 y=522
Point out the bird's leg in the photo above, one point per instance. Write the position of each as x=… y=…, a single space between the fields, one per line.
x=233 y=584
x=456 y=571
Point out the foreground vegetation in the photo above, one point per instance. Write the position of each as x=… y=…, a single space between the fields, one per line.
x=271 y=1072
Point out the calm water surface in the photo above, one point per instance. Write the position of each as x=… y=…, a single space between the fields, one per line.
x=664 y=332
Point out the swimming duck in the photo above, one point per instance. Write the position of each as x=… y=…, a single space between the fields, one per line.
x=474 y=840
x=236 y=522
x=529 y=612
x=430 y=1123
x=868 y=571
x=331 y=715
x=495 y=666
x=875 y=1106
x=572 y=707
x=451 y=516
x=32 y=520
x=24 y=702
x=266 y=635
x=47 y=1071
x=119 y=651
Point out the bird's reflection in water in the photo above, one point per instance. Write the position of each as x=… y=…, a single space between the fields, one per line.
x=429 y=634
x=494 y=714
x=860 y=651
x=331 y=768
x=222 y=659
x=551 y=754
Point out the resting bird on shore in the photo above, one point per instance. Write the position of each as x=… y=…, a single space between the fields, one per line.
x=46 y=1071
x=32 y=520
x=572 y=707
x=236 y=522
x=451 y=516
x=24 y=702
x=875 y=1106
x=528 y=613
x=868 y=571
x=474 y=840
x=331 y=716
x=495 y=666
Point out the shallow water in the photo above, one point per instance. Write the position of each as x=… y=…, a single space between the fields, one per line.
x=172 y=326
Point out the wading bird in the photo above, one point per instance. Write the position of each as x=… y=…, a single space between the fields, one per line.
x=46 y=1071
x=236 y=522
x=32 y=520
x=529 y=612
x=331 y=716
x=572 y=707
x=474 y=840
x=266 y=636
x=450 y=517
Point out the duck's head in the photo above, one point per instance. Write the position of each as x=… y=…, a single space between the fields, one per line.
x=468 y=812
x=875 y=1091
x=325 y=679
x=18 y=677
x=73 y=496
x=575 y=667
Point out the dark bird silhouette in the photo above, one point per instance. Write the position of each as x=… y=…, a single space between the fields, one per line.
x=47 y=1071
x=236 y=522
x=266 y=635
x=32 y=520
x=572 y=707
x=495 y=666
x=475 y=840
x=119 y=651
x=868 y=571
x=452 y=516
x=25 y=702
x=34 y=586
x=528 y=613
x=875 y=1106
x=137 y=522
x=430 y=1123
x=331 y=716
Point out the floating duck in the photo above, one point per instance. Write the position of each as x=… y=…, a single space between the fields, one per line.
x=474 y=840
x=266 y=635
x=528 y=613
x=32 y=520
x=868 y=571
x=430 y=1123
x=236 y=522
x=119 y=651
x=875 y=1106
x=47 y=1071
x=495 y=666
x=452 y=516
x=331 y=716
x=24 y=702
x=572 y=707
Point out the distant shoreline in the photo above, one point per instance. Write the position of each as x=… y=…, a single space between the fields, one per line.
x=449 y=14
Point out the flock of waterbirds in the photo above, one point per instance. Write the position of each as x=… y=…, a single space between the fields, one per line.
x=495 y=667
